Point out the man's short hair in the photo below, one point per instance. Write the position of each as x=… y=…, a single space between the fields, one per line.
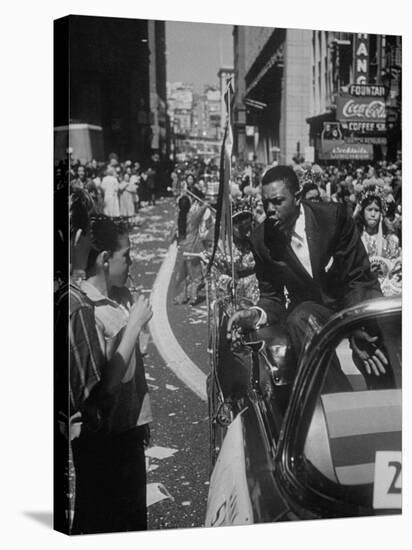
x=282 y=173
x=309 y=186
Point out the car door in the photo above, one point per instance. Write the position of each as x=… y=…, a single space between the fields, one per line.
x=340 y=449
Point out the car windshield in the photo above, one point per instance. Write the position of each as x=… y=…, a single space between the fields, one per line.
x=352 y=447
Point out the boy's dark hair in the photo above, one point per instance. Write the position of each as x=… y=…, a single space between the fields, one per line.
x=104 y=235
x=282 y=173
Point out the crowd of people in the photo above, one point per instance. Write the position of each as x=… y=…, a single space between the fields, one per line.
x=370 y=194
x=106 y=419
x=117 y=188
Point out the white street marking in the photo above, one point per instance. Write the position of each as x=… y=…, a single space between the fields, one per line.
x=163 y=337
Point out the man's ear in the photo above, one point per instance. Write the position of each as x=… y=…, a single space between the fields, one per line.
x=298 y=197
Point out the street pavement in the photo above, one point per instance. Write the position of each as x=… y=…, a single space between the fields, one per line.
x=178 y=457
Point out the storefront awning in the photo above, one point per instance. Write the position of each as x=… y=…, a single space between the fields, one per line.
x=326 y=116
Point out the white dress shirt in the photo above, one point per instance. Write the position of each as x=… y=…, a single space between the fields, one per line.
x=299 y=242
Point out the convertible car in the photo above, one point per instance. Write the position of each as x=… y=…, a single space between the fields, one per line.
x=313 y=438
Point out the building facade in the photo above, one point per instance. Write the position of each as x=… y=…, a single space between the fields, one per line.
x=180 y=106
x=117 y=82
x=355 y=110
x=298 y=91
x=193 y=114
x=272 y=76
x=225 y=74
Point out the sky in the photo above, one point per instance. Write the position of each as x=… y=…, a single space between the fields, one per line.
x=196 y=51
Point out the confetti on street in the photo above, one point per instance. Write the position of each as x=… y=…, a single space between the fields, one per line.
x=160 y=453
x=157 y=492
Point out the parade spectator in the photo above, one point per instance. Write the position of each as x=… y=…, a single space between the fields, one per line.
x=96 y=193
x=150 y=186
x=92 y=169
x=194 y=186
x=246 y=284
x=381 y=245
x=346 y=197
x=157 y=174
x=135 y=179
x=111 y=485
x=80 y=180
x=183 y=206
x=110 y=186
x=113 y=160
x=174 y=182
x=78 y=389
x=127 y=198
x=310 y=192
x=188 y=274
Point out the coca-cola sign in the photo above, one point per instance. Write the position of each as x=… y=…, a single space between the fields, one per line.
x=360 y=109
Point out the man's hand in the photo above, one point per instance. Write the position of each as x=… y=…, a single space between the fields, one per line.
x=240 y=322
x=366 y=351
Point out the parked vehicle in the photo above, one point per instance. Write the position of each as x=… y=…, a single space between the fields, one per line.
x=323 y=447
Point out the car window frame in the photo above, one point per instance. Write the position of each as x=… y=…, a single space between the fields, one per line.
x=305 y=394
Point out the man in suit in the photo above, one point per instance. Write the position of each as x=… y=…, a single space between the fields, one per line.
x=313 y=251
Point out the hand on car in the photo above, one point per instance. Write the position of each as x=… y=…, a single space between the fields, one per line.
x=367 y=352
x=240 y=322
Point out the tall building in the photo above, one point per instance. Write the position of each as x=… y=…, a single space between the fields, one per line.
x=196 y=115
x=241 y=147
x=114 y=82
x=224 y=74
x=272 y=78
x=213 y=112
x=180 y=105
x=355 y=108
x=160 y=141
x=200 y=121
x=319 y=95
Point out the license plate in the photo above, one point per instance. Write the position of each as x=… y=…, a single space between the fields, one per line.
x=387 y=489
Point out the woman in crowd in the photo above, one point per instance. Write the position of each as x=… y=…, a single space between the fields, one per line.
x=135 y=179
x=382 y=246
x=110 y=186
x=246 y=285
x=127 y=196
x=194 y=186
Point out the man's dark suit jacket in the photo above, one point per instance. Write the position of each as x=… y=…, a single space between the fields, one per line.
x=340 y=265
